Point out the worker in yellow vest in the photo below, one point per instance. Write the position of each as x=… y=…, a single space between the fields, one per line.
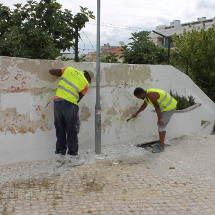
x=73 y=85
x=165 y=106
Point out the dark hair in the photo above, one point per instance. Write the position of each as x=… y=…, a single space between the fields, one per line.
x=139 y=91
x=85 y=72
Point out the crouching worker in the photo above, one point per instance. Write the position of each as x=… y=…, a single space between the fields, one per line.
x=165 y=106
x=73 y=85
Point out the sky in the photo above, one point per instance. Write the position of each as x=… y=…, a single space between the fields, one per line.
x=120 y=18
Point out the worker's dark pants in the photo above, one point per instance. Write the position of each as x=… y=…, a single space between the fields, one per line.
x=67 y=126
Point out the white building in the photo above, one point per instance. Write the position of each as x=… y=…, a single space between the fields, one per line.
x=176 y=27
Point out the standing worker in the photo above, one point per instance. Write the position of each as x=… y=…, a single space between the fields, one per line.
x=73 y=85
x=165 y=106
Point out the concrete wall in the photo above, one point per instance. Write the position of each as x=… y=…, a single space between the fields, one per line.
x=26 y=106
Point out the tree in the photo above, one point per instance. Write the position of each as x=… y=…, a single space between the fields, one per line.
x=38 y=30
x=143 y=51
x=198 y=45
x=110 y=58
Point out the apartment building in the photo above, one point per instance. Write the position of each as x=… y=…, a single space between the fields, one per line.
x=176 y=27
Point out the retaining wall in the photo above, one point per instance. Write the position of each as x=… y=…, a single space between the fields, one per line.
x=26 y=106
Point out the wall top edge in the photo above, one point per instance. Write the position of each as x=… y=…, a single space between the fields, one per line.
x=73 y=62
x=186 y=109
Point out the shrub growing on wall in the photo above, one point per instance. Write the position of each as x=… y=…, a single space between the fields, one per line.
x=183 y=102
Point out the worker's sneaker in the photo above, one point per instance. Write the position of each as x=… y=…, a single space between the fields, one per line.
x=157 y=143
x=75 y=161
x=60 y=161
x=158 y=148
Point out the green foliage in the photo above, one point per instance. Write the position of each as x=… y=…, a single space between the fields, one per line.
x=143 y=51
x=183 y=102
x=198 y=45
x=37 y=30
x=110 y=58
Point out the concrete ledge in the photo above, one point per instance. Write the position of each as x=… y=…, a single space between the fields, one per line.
x=186 y=109
x=189 y=108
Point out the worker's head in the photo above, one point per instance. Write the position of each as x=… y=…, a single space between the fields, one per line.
x=140 y=93
x=89 y=75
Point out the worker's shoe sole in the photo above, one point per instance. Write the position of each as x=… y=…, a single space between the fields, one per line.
x=59 y=163
x=75 y=161
x=72 y=164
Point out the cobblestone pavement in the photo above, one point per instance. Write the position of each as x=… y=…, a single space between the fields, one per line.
x=177 y=181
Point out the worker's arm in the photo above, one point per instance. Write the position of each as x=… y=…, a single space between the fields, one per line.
x=83 y=92
x=56 y=72
x=153 y=97
x=80 y=97
x=142 y=107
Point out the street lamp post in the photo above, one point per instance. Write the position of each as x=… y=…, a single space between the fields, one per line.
x=187 y=62
x=98 y=105
x=169 y=44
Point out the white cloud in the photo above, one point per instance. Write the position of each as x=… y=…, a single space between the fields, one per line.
x=203 y=4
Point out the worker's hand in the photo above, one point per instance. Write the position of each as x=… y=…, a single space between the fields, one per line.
x=134 y=115
x=161 y=123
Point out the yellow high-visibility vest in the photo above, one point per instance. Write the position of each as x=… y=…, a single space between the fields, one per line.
x=71 y=83
x=165 y=101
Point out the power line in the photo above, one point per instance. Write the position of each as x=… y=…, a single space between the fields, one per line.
x=107 y=25
x=89 y=40
x=124 y=27
x=86 y=49
x=117 y=27
x=84 y=46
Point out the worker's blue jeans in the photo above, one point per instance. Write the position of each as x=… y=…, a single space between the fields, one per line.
x=67 y=126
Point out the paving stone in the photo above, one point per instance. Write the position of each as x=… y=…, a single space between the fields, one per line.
x=139 y=184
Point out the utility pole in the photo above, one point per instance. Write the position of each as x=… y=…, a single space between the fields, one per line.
x=169 y=44
x=98 y=105
x=168 y=55
x=76 y=37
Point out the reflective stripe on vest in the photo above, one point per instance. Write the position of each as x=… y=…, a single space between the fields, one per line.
x=68 y=91
x=170 y=101
x=71 y=83
x=164 y=98
x=165 y=101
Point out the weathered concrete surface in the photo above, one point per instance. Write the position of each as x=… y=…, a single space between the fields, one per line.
x=26 y=106
x=177 y=181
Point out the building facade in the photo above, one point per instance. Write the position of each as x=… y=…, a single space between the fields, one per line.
x=104 y=50
x=176 y=27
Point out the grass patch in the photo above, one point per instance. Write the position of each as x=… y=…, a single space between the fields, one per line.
x=91 y=183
